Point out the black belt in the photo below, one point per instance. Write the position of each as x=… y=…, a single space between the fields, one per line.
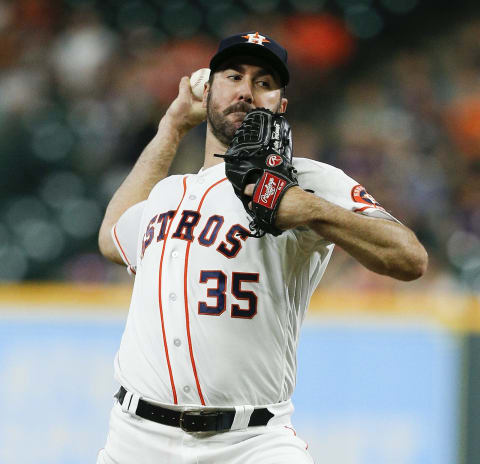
x=197 y=420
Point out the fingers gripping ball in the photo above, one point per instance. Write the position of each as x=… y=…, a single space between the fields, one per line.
x=197 y=82
x=261 y=154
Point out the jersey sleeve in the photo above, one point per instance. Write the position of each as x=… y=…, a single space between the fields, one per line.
x=333 y=185
x=125 y=235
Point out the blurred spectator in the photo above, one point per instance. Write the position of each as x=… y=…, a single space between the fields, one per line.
x=84 y=84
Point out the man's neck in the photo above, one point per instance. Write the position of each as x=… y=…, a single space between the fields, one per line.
x=212 y=146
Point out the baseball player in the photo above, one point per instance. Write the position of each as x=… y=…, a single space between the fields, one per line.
x=207 y=361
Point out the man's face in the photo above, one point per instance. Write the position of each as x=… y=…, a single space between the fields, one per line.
x=236 y=89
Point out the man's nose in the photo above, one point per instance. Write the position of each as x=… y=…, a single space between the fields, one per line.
x=245 y=92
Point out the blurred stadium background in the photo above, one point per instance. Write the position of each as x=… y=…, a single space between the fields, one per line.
x=387 y=90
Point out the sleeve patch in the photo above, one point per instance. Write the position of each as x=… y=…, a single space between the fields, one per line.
x=360 y=195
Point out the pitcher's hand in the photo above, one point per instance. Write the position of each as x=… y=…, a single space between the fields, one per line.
x=186 y=111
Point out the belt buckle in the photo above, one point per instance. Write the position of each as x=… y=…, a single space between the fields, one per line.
x=198 y=413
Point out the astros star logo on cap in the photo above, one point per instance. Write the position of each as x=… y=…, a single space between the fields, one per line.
x=256 y=38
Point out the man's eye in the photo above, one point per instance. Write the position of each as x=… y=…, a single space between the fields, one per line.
x=264 y=84
x=235 y=77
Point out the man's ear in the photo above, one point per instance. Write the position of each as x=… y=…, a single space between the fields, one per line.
x=206 y=89
x=283 y=105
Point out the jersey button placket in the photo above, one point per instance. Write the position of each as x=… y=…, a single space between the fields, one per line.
x=173 y=289
x=177 y=259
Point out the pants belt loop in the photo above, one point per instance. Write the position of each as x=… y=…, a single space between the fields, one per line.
x=242 y=417
x=130 y=403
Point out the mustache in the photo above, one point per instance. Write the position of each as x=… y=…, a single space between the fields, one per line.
x=239 y=107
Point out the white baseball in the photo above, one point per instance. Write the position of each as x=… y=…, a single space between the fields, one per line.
x=197 y=82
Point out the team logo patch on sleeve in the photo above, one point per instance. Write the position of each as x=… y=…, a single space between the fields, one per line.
x=360 y=195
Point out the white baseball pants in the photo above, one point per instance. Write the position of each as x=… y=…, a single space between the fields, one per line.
x=133 y=440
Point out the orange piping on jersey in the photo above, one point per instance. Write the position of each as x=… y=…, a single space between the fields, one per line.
x=121 y=249
x=187 y=318
x=160 y=294
x=291 y=428
x=358 y=210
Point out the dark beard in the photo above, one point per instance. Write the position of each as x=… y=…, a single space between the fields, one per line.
x=221 y=127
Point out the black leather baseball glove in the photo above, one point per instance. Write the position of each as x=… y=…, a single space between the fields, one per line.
x=261 y=154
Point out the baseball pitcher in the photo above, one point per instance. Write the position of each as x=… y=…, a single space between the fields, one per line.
x=225 y=262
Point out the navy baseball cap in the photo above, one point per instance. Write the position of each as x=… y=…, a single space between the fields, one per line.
x=253 y=44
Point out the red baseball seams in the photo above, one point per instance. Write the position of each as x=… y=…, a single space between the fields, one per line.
x=160 y=294
x=187 y=319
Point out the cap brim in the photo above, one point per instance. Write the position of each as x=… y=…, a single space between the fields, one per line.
x=253 y=50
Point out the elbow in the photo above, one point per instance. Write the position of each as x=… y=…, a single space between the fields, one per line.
x=415 y=264
x=106 y=246
x=423 y=263
x=102 y=244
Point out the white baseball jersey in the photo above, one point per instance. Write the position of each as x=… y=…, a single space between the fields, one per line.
x=215 y=315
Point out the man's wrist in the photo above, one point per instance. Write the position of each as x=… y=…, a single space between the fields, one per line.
x=297 y=209
x=170 y=127
x=310 y=210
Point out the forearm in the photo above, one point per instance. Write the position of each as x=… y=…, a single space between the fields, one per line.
x=383 y=246
x=151 y=167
